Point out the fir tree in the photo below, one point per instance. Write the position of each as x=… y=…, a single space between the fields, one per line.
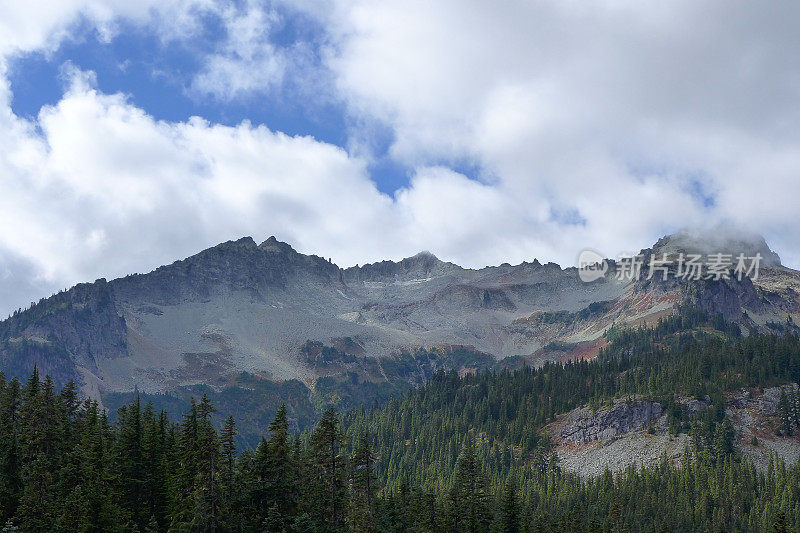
x=130 y=463
x=327 y=469
x=509 y=508
x=207 y=488
x=228 y=441
x=363 y=487
x=10 y=474
x=469 y=500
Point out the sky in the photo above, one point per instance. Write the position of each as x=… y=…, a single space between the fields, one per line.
x=133 y=134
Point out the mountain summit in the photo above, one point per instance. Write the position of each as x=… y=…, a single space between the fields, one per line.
x=706 y=242
x=269 y=311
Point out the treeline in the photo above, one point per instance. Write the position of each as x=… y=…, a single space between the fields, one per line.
x=459 y=454
x=422 y=434
x=64 y=468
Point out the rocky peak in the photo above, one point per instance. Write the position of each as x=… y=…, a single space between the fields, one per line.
x=717 y=240
x=274 y=245
x=420 y=266
x=244 y=242
x=424 y=262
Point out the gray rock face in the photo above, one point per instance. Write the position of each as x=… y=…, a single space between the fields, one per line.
x=737 y=300
x=240 y=306
x=582 y=426
x=74 y=329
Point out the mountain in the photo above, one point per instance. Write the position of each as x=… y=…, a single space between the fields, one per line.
x=691 y=423
x=684 y=426
x=243 y=317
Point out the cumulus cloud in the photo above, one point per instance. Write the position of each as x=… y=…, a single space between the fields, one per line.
x=599 y=125
x=621 y=113
x=105 y=189
x=247 y=61
x=41 y=25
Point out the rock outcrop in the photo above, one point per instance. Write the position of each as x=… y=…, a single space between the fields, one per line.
x=583 y=426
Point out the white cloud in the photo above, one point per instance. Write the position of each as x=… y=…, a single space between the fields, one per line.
x=106 y=189
x=41 y=25
x=247 y=61
x=611 y=109
x=593 y=125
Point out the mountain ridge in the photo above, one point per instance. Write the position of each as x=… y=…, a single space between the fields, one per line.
x=245 y=307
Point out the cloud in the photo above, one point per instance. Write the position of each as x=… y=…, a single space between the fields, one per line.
x=617 y=112
x=41 y=25
x=598 y=125
x=269 y=49
x=246 y=61
x=105 y=189
x=18 y=288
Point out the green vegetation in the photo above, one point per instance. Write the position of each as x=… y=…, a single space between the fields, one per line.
x=253 y=400
x=458 y=454
x=318 y=355
x=565 y=317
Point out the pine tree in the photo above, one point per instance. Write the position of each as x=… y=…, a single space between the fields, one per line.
x=130 y=463
x=38 y=439
x=155 y=485
x=277 y=467
x=10 y=474
x=509 y=508
x=187 y=457
x=329 y=491
x=363 y=487
x=228 y=441
x=98 y=496
x=208 y=490
x=469 y=507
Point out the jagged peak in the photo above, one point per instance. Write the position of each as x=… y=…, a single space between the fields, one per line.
x=247 y=242
x=274 y=245
x=271 y=241
x=423 y=256
x=231 y=246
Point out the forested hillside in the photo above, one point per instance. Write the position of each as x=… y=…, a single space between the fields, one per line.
x=459 y=454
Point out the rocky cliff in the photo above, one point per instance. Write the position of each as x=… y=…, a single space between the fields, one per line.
x=242 y=307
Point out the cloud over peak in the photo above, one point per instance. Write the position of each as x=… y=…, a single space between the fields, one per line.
x=527 y=130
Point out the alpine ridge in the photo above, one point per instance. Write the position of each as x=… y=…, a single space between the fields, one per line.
x=241 y=313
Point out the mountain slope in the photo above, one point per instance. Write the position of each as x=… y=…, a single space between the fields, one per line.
x=276 y=315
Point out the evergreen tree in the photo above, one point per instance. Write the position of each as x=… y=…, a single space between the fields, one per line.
x=38 y=440
x=10 y=474
x=208 y=483
x=187 y=458
x=155 y=482
x=228 y=441
x=363 y=487
x=469 y=500
x=509 y=509
x=130 y=464
x=328 y=492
